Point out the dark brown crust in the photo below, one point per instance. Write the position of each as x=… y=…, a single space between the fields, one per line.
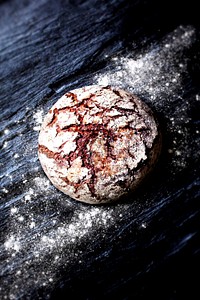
x=87 y=135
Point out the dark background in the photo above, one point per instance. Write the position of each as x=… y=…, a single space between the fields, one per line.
x=147 y=246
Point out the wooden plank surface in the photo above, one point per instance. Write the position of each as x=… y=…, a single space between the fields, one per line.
x=53 y=247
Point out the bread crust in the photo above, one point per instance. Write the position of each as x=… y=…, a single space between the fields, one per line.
x=98 y=143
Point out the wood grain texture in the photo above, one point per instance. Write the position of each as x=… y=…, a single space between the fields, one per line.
x=51 y=247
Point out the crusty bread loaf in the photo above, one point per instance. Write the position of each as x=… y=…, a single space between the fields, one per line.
x=97 y=143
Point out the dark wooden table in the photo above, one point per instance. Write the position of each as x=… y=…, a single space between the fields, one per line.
x=147 y=246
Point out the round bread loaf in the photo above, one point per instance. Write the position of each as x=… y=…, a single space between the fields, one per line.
x=97 y=143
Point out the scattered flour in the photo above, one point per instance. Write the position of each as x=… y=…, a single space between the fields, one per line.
x=38 y=118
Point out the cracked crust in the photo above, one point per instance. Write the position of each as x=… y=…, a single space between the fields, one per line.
x=97 y=143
